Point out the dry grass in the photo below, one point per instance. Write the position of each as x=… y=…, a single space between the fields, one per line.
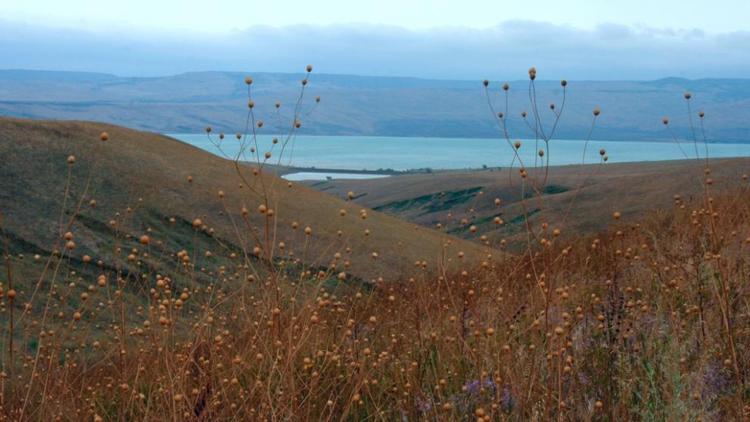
x=447 y=198
x=647 y=320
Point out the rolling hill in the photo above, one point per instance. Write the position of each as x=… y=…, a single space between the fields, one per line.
x=578 y=200
x=139 y=183
x=385 y=106
x=642 y=321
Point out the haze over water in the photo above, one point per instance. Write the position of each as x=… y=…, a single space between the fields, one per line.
x=376 y=153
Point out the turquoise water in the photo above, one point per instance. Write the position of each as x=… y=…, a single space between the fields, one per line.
x=375 y=152
x=306 y=175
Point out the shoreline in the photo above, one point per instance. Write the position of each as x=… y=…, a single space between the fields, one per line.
x=286 y=170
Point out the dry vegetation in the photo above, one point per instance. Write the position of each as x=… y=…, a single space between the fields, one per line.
x=147 y=320
x=578 y=202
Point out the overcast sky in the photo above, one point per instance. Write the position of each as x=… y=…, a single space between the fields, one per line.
x=467 y=39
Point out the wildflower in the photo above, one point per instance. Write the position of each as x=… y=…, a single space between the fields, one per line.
x=532 y=73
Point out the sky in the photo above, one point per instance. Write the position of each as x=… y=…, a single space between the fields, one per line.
x=467 y=39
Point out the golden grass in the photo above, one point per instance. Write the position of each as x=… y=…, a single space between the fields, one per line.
x=647 y=320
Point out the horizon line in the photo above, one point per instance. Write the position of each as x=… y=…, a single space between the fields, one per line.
x=302 y=72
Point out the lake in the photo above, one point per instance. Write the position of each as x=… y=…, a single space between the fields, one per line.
x=380 y=152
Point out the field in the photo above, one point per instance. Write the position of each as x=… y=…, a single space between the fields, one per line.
x=144 y=279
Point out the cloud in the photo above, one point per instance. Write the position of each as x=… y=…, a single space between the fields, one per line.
x=503 y=52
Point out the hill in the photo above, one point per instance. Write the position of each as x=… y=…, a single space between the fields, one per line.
x=140 y=185
x=577 y=199
x=361 y=105
x=644 y=320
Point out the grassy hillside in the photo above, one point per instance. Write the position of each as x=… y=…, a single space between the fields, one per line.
x=139 y=181
x=646 y=319
x=359 y=105
x=575 y=200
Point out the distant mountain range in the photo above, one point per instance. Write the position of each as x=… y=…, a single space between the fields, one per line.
x=383 y=106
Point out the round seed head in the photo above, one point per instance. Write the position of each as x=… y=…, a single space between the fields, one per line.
x=532 y=73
